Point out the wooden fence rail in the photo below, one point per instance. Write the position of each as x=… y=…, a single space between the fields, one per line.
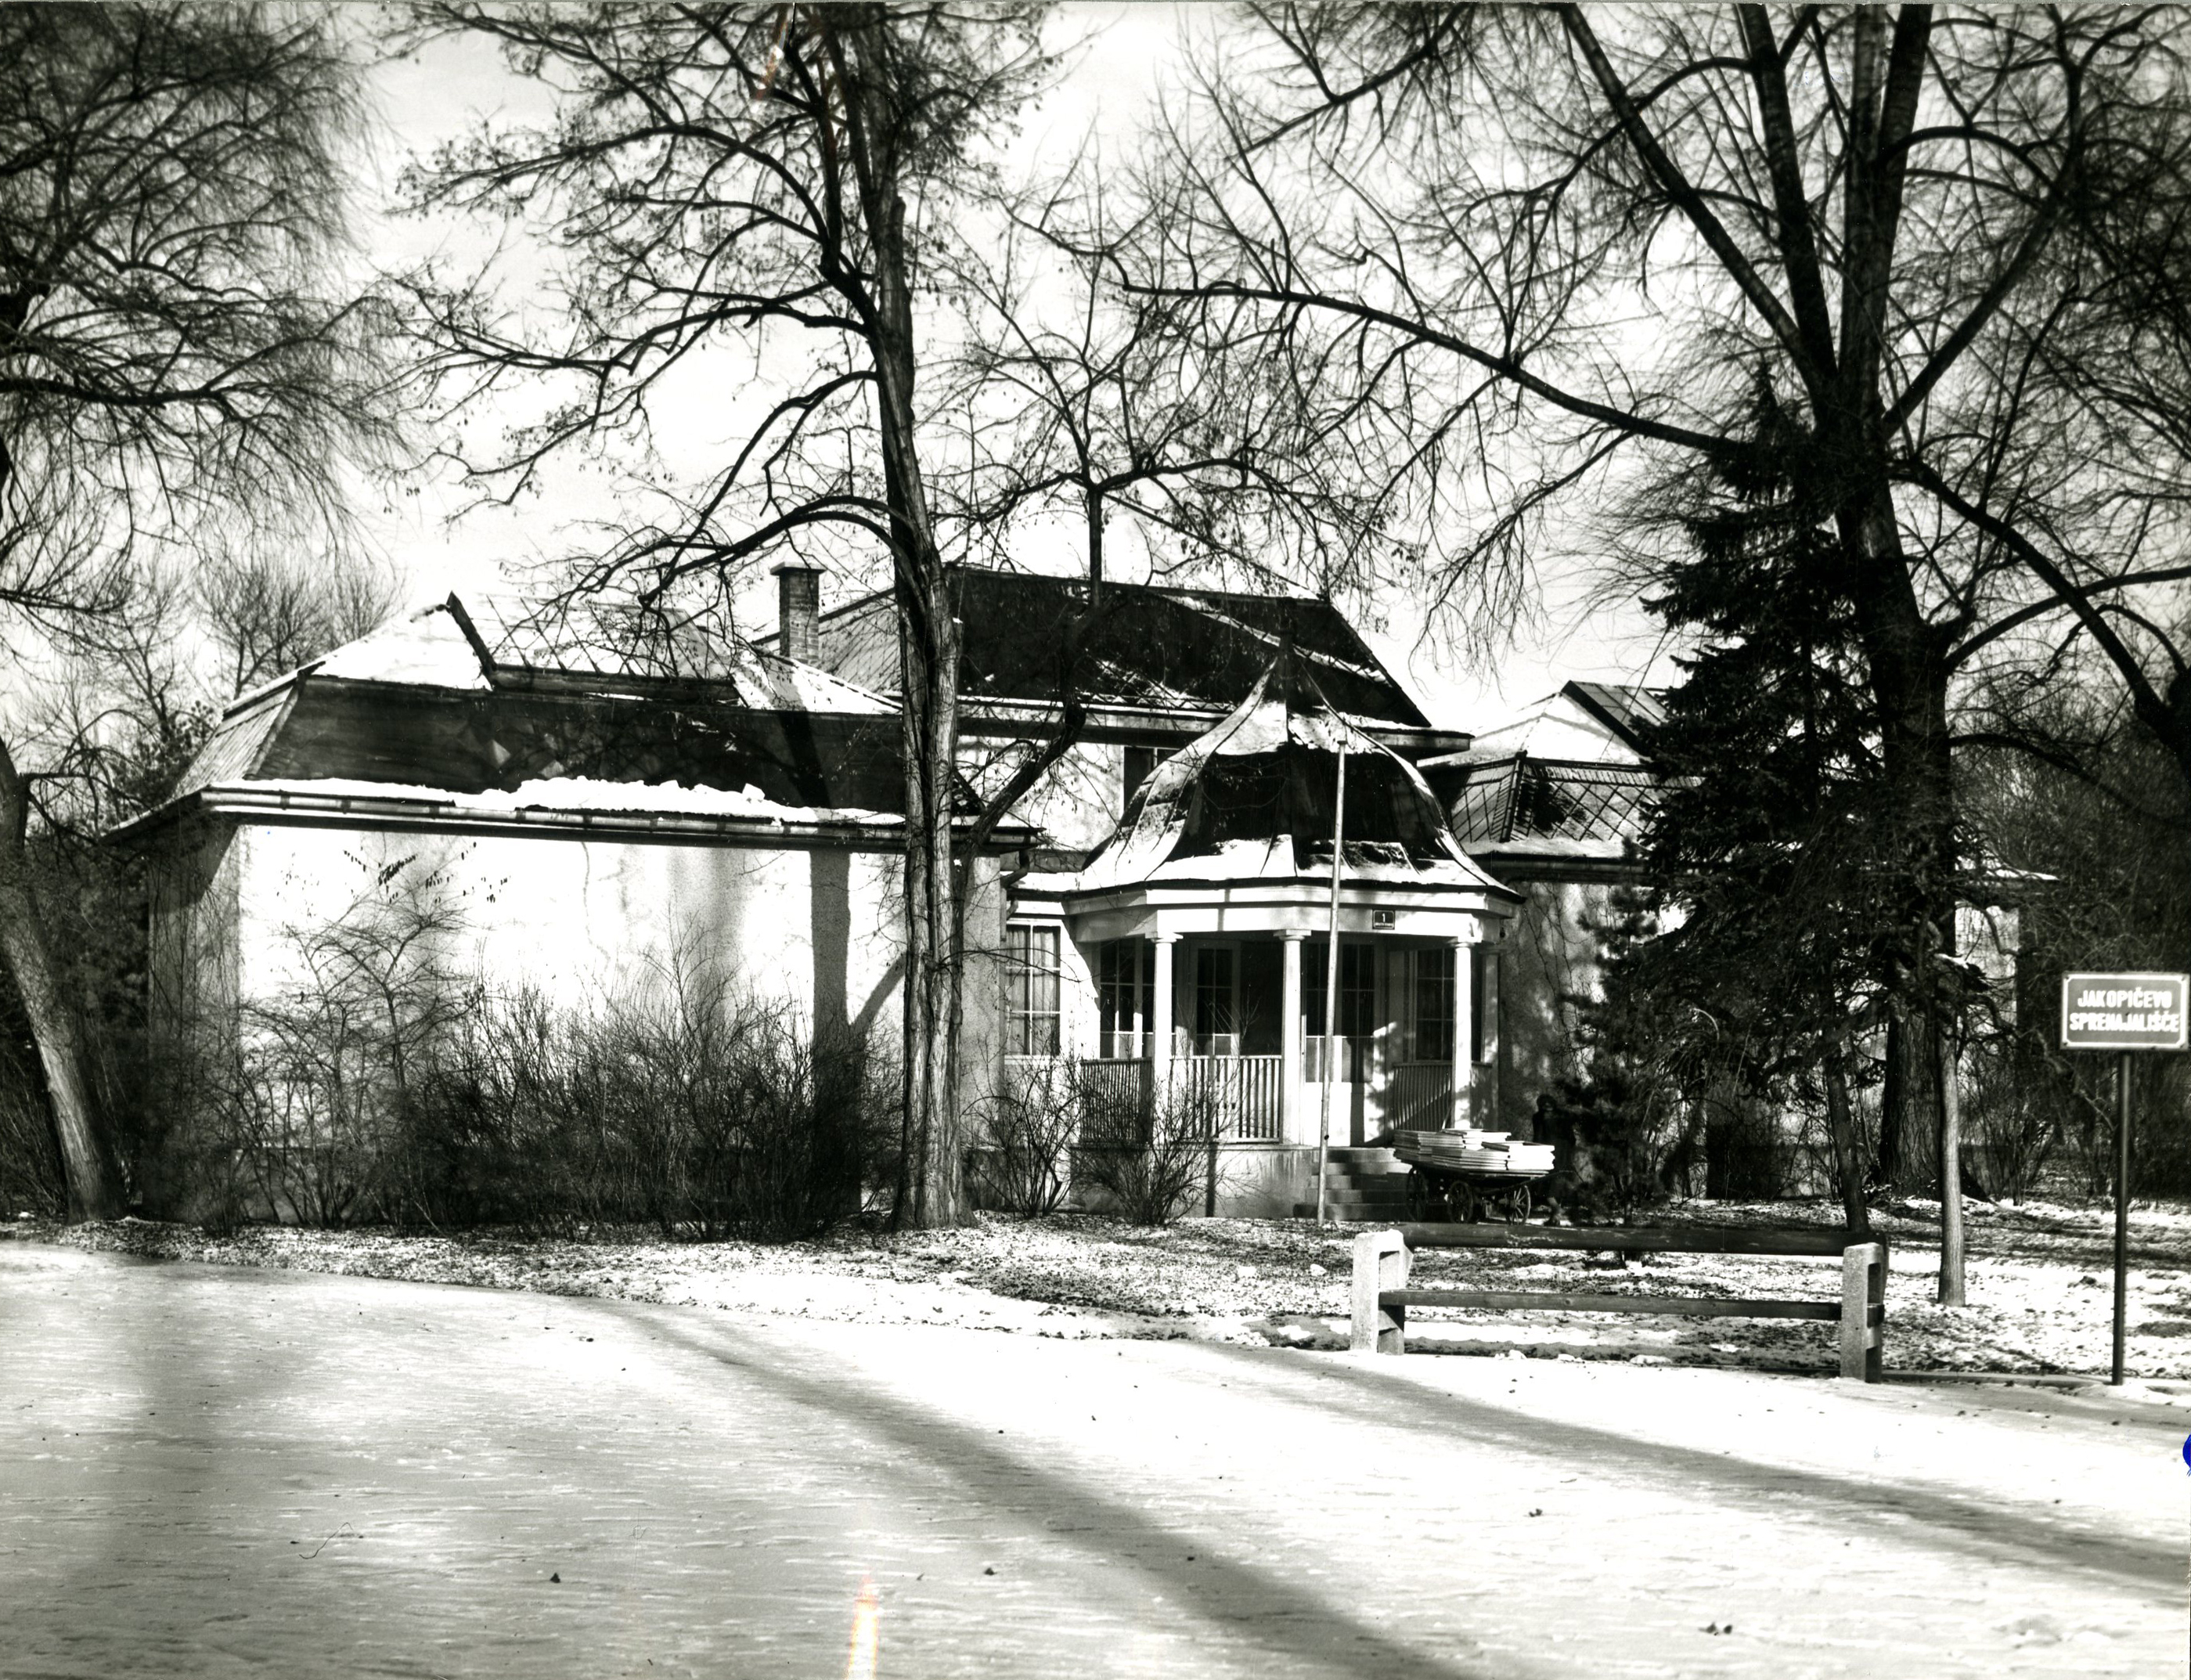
x=1382 y=1297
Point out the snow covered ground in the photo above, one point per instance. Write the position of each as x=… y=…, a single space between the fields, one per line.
x=226 y=1470
x=2039 y=1283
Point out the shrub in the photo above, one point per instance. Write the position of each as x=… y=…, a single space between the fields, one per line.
x=1023 y=1163
x=1147 y=1159
x=31 y=1179
x=696 y=1109
x=705 y=1114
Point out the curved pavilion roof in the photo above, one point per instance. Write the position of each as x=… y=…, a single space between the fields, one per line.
x=1252 y=800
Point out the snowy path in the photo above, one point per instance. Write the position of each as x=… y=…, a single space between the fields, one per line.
x=220 y=1471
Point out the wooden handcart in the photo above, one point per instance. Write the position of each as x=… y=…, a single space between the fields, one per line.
x=1463 y=1177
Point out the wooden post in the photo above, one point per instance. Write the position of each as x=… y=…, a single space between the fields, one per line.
x=1462 y=1061
x=1864 y=1330
x=1291 y=1125
x=1380 y=1263
x=1160 y=1002
x=2122 y=1214
x=1331 y=999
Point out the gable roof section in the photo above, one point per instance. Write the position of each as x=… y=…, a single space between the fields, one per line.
x=1198 y=649
x=1584 y=722
x=1631 y=712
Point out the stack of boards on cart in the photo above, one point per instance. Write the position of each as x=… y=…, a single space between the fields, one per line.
x=1474 y=1151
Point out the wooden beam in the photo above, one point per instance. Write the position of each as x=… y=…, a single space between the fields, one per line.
x=1824 y=1242
x=1547 y=1301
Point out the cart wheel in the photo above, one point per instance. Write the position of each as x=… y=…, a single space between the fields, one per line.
x=1421 y=1195
x=1460 y=1201
x=1517 y=1204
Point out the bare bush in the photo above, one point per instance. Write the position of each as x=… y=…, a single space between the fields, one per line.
x=2013 y=1122
x=1146 y=1160
x=31 y=1179
x=382 y=1087
x=703 y=1113
x=1023 y=1164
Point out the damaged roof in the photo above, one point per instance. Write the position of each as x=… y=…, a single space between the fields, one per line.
x=1152 y=647
x=1524 y=798
x=1631 y=713
x=467 y=710
x=488 y=641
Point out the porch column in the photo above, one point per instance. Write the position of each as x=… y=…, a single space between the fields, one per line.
x=1488 y=1100
x=1464 y=1070
x=1290 y=1122
x=1160 y=1027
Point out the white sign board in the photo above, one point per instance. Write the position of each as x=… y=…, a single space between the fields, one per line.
x=2123 y=1011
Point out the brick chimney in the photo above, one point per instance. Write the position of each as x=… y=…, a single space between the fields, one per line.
x=798 y=605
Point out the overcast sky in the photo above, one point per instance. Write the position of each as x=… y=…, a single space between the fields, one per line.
x=1128 y=56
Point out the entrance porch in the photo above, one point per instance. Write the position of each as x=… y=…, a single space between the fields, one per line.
x=1242 y=1019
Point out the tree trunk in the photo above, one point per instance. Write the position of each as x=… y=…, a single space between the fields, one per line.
x=1906 y=657
x=1848 y=1147
x=928 y=661
x=88 y=1157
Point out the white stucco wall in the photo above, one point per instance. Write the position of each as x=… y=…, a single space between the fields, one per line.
x=238 y=909
x=1551 y=957
x=1079 y=799
x=580 y=921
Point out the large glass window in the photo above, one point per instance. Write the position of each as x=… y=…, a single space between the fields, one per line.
x=1125 y=997
x=1358 y=1005
x=1434 y=1021
x=1216 y=1021
x=1031 y=990
x=1357 y=988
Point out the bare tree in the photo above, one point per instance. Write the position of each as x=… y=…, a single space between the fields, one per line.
x=269 y=613
x=169 y=370
x=1864 y=272
x=1083 y=405
x=774 y=179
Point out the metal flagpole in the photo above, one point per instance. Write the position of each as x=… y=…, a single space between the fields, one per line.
x=1331 y=990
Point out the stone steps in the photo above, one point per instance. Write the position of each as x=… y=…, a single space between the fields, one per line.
x=1362 y=1183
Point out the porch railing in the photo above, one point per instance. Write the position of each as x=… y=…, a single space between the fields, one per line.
x=1119 y=1080
x=1242 y=1091
x=1422 y=1095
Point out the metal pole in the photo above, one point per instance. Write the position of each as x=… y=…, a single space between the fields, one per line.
x=2122 y=1209
x=1331 y=993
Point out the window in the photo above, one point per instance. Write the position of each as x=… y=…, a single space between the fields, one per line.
x=1140 y=762
x=1030 y=990
x=1434 y=1006
x=1357 y=1005
x=1125 y=997
x=1357 y=988
x=1216 y=1029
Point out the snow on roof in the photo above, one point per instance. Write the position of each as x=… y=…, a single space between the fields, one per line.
x=612 y=642
x=488 y=641
x=565 y=794
x=1251 y=798
x=428 y=648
